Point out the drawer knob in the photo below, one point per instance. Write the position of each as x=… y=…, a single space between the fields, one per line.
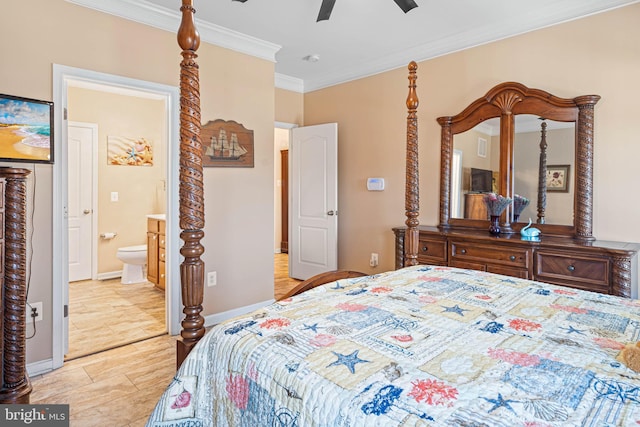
x=512 y=257
x=425 y=249
x=463 y=251
x=571 y=268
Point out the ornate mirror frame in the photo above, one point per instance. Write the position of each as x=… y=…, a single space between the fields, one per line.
x=505 y=101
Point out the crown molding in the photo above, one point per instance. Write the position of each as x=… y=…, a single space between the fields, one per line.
x=147 y=13
x=462 y=40
x=289 y=83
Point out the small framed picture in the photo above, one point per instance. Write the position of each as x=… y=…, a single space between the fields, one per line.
x=558 y=178
x=482 y=147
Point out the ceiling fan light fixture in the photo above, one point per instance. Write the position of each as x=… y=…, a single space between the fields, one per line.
x=327 y=7
x=325 y=10
x=311 y=58
x=406 y=5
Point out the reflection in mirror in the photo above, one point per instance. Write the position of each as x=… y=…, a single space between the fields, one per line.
x=477 y=170
x=555 y=205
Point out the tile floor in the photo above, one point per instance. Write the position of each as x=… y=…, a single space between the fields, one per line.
x=118 y=387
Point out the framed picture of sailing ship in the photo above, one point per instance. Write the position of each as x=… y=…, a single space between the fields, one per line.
x=227 y=144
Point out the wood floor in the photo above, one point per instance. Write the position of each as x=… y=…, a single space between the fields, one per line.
x=283 y=283
x=120 y=387
x=105 y=314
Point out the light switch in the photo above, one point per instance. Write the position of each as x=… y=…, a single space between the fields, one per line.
x=114 y=196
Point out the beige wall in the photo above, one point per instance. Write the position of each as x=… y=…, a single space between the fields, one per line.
x=141 y=189
x=595 y=55
x=289 y=107
x=75 y=36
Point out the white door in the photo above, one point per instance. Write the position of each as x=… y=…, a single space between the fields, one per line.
x=313 y=194
x=81 y=142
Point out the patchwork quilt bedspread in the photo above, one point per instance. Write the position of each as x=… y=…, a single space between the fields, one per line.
x=420 y=346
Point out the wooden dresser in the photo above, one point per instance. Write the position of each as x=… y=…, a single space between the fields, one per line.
x=600 y=266
x=156 y=252
x=567 y=253
x=15 y=384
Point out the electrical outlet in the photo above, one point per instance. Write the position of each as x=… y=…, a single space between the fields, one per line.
x=212 y=278
x=373 y=261
x=37 y=308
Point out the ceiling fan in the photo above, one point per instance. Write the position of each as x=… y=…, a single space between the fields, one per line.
x=327 y=7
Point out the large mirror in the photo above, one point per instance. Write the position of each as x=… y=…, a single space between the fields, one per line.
x=520 y=141
x=544 y=150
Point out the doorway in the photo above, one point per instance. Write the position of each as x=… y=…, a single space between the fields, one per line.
x=64 y=77
x=104 y=313
x=282 y=282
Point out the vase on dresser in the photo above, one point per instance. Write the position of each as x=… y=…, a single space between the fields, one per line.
x=494 y=225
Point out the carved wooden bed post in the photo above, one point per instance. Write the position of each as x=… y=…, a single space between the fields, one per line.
x=15 y=386
x=412 y=200
x=191 y=187
x=584 y=168
x=542 y=174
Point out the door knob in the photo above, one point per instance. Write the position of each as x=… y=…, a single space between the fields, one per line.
x=331 y=213
x=86 y=211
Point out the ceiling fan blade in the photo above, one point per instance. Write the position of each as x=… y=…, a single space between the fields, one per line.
x=325 y=10
x=406 y=5
x=241 y=1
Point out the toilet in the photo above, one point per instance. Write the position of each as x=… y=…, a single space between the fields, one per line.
x=134 y=259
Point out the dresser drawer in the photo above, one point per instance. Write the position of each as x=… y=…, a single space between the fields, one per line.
x=586 y=272
x=495 y=254
x=522 y=273
x=432 y=251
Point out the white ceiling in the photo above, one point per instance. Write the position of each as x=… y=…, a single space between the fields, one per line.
x=362 y=37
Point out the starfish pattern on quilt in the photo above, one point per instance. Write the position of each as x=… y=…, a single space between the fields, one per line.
x=500 y=402
x=348 y=360
x=455 y=309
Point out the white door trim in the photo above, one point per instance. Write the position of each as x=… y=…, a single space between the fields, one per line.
x=62 y=76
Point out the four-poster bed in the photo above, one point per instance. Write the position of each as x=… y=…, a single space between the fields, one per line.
x=422 y=345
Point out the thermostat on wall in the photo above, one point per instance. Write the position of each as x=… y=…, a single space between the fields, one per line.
x=375 y=184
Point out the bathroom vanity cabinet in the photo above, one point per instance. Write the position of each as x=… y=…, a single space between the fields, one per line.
x=15 y=386
x=156 y=252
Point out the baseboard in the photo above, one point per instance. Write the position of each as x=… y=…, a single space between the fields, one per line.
x=39 y=368
x=109 y=275
x=214 y=319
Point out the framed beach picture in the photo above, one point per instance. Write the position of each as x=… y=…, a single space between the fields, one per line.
x=558 y=178
x=26 y=130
